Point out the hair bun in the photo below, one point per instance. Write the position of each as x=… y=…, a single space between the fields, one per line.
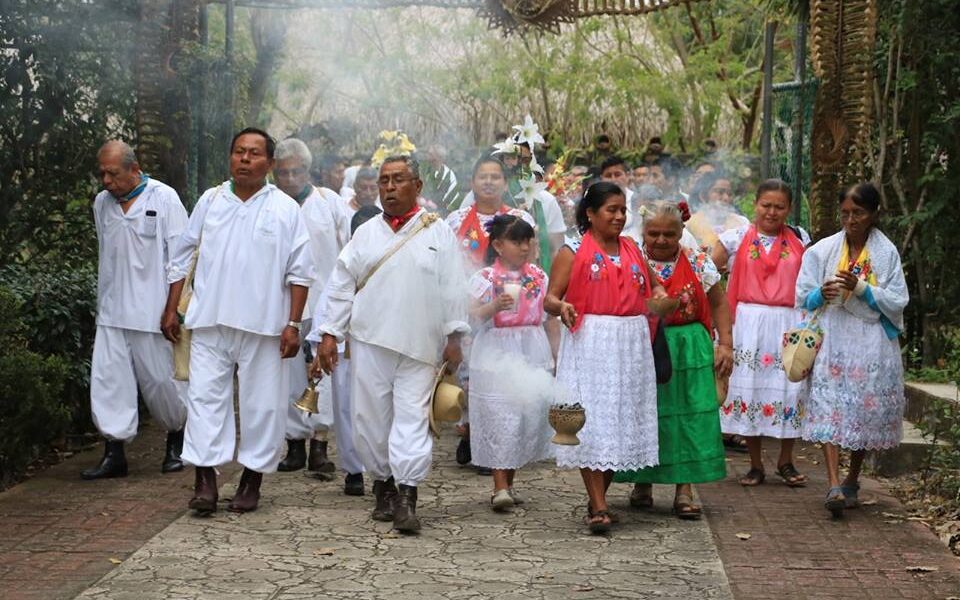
x=684 y=211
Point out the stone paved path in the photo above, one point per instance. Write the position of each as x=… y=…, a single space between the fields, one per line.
x=310 y=541
x=60 y=537
x=797 y=552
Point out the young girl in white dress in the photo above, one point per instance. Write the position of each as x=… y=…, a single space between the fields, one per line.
x=510 y=362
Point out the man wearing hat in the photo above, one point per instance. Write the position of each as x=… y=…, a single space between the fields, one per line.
x=399 y=291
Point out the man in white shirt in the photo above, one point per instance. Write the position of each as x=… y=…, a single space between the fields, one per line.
x=406 y=316
x=254 y=269
x=137 y=220
x=324 y=213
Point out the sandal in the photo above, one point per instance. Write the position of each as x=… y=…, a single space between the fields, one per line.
x=735 y=442
x=791 y=476
x=850 y=495
x=835 y=502
x=684 y=507
x=598 y=522
x=614 y=516
x=642 y=496
x=753 y=477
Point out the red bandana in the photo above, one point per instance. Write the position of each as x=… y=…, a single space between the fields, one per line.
x=396 y=223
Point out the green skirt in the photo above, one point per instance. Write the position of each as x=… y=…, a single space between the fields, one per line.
x=691 y=447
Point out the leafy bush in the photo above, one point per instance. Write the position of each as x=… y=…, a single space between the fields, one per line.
x=31 y=411
x=58 y=317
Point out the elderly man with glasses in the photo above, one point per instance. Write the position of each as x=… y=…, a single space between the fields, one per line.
x=399 y=291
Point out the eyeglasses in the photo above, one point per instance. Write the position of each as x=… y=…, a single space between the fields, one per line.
x=853 y=215
x=397 y=180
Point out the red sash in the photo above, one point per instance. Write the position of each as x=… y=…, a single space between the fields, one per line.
x=761 y=277
x=599 y=287
x=474 y=237
x=684 y=284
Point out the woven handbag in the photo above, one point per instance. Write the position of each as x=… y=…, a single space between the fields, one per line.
x=800 y=347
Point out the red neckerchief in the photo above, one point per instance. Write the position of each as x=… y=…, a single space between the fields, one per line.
x=396 y=223
x=765 y=277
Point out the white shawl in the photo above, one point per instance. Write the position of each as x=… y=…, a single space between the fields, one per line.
x=885 y=301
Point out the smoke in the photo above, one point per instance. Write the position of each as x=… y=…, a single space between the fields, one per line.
x=517 y=379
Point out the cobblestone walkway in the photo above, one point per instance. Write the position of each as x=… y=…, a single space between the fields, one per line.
x=309 y=541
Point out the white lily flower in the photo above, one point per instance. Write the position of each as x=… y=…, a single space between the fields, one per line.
x=507 y=146
x=530 y=188
x=528 y=133
x=534 y=165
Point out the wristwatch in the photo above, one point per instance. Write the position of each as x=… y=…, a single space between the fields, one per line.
x=295 y=324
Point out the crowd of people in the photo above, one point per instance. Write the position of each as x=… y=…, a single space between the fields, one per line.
x=530 y=283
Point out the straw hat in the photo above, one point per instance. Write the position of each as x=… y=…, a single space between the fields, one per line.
x=447 y=401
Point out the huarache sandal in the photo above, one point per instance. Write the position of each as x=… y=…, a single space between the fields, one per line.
x=850 y=495
x=737 y=443
x=614 y=516
x=684 y=507
x=642 y=496
x=598 y=522
x=753 y=477
x=791 y=476
x=835 y=502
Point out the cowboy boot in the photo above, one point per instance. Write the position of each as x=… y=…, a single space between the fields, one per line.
x=113 y=463
x=353 y=484
x=247 y=496
x=318 y=460
x=205 y=496
x=296 y=457
x=385 y=493
x=171 y=458
x=405 y=510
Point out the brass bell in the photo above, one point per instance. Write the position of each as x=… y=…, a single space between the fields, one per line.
x=307 y=402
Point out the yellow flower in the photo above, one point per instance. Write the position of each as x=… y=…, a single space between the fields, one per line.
x=387 y=135
x=379 y=156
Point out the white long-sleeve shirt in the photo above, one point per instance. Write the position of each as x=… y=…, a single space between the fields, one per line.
x=325 y=216
x=133 y=252
x=411 y=304
x=251 y=253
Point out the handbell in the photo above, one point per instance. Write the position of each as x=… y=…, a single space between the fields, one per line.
x=307 y=402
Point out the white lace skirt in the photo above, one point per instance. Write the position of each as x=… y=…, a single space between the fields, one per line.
x=761 y=400
x=854 y=395
x=510 y=388
x=607 y=366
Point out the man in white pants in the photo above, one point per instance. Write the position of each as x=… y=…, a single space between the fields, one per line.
x=250 y=286
x=137 y=219
x=324 y=214
x=406 y=315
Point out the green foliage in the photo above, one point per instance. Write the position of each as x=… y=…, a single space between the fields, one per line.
x=57 y=317
x=31 y=411
x=941 y=474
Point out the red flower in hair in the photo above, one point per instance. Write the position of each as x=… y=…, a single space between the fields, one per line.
x=684 y=211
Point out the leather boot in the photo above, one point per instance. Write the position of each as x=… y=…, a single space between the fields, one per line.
x=296 y=457
x=113 y=463
x=318 y=460
x=205 y=497
x=353 y=484
x=171 y=459
x=405 y=510
x=248 y=492
x=385 y=493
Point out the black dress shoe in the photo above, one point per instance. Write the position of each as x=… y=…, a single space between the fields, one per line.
x=463 y=451
x=318 y=461
x=353 y=484
x=296 y=457
x=113 y=463
x=171 y=459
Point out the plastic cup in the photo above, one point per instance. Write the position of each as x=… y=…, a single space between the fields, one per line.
x=512 y=290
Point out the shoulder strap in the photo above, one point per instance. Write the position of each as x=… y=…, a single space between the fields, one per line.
x=426 y=220
x=186 y=293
